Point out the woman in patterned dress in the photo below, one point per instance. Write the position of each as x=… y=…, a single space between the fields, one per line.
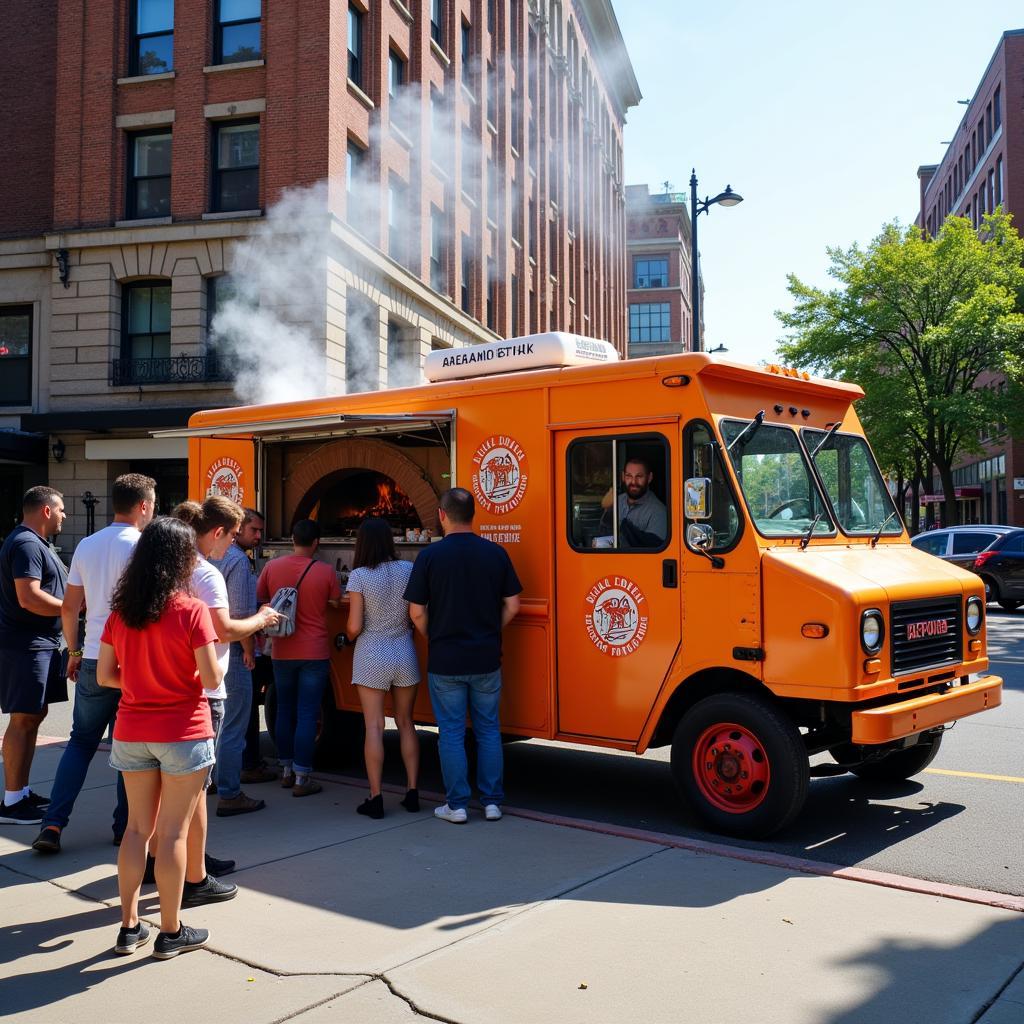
x=385 y=656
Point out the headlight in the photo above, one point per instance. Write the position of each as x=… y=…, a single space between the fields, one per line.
x=872 y=631
x=975 y=613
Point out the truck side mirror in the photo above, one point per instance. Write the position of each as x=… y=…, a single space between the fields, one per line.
x=697 y=497
x=700 y=536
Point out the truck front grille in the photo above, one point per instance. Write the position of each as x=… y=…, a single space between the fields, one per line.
x=925 y=634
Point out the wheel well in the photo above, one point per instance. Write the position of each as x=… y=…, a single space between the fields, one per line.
x=698 y=686
x=992 y=585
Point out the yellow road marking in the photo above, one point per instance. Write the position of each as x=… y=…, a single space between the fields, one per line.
x=973 y=775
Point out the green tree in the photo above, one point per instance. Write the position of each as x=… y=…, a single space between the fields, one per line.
x=918 y=322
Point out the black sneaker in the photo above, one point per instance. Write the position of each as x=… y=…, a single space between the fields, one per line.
x=24 y=812
x=48 y=840
x=38 y=800
x=218 y=867
x=209 y=890
x=129 y=939
x=187 y=939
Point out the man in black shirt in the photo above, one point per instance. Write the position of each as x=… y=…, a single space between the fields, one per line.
x=32 y=580
x=463 y=591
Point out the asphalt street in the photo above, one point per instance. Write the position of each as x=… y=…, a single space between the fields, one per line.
x=960 y=822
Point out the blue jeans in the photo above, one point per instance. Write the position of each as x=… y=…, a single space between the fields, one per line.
x=450 y=696
x=300 y=689
x=231 y=741
x=94 y=713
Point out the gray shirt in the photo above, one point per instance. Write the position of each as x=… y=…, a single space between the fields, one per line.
x=642 y=523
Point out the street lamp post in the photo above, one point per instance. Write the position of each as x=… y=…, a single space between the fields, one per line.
x=697 y=207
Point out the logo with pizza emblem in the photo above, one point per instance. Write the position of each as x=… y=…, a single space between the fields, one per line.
x=500 y=474
x=224 y=478
x=615 y=613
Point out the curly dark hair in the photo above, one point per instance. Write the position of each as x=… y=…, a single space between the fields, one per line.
x=161 y=566
x=374 y=544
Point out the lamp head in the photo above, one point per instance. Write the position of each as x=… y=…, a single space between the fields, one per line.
x=728 y=197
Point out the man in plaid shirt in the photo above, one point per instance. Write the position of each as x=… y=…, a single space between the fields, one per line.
x=241 y=586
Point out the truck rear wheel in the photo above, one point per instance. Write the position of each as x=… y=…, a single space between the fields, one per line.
x=901 y=764
x=741 y=764
x=339 y=734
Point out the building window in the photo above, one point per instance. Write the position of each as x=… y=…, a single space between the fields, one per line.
x=396 y=220
x=999 y=181
x=467 y=46
x=15 y=355
x=437 y=22
x=355 y=45
x=467 y=274
x=491 y=85
x=147 y=320
x=997 y=108
x=991 y=190
x=650 y=273
x=438 y=255
x=396 y=79
x=515 y=305
x=237 y=33
x=531 y=230
x=492 y=293
x=236 y=166
x=152 y=32
x=149 y=175
x=650 y=321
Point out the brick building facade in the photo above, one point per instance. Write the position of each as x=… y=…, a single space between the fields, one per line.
x=473 y=154
x=658 y=272
x=983 y=168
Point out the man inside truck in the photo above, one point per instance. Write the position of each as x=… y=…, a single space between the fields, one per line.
x=643 y=518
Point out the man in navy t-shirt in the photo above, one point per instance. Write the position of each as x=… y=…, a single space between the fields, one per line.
x=32 y=580
x=463 y=591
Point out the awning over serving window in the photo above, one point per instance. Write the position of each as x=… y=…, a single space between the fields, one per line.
x=333 y=425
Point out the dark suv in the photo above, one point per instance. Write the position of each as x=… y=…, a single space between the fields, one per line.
x=1001 y=566
x=960 y=544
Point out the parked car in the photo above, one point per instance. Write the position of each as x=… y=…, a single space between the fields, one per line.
x=1001 y=566
x=959 y=544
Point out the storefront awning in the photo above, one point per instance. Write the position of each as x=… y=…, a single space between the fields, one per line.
x=334 y=425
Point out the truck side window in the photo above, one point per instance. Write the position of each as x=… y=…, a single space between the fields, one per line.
x=619 y=493
x=704 y=459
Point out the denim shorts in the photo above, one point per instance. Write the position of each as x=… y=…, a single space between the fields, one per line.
x=181 y=758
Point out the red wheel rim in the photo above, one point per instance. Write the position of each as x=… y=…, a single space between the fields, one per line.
x=731 y=768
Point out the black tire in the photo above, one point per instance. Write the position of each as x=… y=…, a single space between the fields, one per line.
x=780 y=797
x=1009 y=605
x=991 y=589
x=901 y=764
x=339 y=740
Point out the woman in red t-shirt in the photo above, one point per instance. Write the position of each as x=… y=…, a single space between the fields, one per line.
x=158 y=649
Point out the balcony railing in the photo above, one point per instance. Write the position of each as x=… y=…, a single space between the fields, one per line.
x=170 y=370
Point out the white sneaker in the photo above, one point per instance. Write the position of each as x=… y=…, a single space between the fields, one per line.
x=492 y=812
x=456 y=815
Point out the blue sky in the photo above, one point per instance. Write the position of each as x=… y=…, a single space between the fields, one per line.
x=819 y=114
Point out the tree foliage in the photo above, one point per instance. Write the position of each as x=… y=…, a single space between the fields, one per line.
x=919 y=323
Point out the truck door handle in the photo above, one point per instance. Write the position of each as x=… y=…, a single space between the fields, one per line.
x=669 y=573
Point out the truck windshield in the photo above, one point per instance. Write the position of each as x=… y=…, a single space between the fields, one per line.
x=776 y=480
x=856 y=489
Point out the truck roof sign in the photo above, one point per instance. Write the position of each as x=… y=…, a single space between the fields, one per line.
x=532 y=352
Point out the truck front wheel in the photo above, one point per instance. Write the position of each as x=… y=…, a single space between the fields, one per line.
x=741 y=764
x=901 y=764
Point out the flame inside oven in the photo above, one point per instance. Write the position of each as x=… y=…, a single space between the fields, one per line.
x=341 y=501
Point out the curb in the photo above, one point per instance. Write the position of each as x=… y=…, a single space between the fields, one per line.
x=785 y=862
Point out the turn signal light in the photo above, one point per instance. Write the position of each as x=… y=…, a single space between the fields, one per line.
x=872 y=666
x=814 y=630
x=974 y=645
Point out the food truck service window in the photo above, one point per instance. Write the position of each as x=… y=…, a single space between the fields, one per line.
x=620 y=493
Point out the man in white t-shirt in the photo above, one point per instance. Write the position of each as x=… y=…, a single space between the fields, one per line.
x=96 y=567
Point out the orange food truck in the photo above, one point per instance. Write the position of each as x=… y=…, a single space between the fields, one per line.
x=710 y=558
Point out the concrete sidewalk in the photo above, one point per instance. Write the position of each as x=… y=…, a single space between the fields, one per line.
x=344 y=919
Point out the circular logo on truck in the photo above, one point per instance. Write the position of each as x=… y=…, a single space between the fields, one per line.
x=500 y=474
x=224 y=478
x=616 y=616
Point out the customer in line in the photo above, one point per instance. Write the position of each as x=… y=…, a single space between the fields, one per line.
x=385 y=657
x=32 y=580
x=463 y=591
x=157 y=648
x=96 y=566
x=240 y=582
x=302 y=660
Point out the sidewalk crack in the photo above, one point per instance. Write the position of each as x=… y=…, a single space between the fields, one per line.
x=1002 y=988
